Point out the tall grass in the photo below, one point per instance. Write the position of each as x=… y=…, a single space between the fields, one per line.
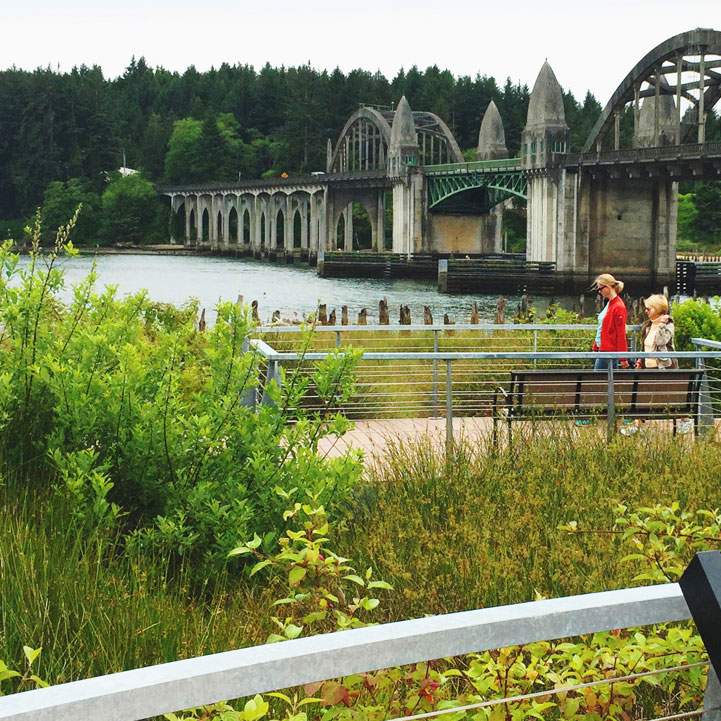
x=483 y=529
x=96 y=609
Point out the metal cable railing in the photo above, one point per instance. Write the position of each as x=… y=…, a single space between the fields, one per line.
x=563 y=690
x=140 y=693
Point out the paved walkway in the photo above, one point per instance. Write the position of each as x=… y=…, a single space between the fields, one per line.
x=375 y=436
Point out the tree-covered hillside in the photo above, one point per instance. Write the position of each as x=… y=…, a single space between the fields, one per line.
x=233 y=121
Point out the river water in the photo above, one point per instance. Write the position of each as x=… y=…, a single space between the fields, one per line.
x=290 y=289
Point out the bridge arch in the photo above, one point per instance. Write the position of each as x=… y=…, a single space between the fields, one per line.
x=363 y=142
x=233 y=225
x=695 y=82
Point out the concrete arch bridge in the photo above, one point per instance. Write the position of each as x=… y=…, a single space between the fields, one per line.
x=611 y=207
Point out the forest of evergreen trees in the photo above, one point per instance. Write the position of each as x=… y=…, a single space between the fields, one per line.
x=60 y=133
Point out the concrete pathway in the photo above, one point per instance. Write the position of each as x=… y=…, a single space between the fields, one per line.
x=374 y=436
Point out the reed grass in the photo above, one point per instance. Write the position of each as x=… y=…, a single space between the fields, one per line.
x=94 y=608
x=483 y=530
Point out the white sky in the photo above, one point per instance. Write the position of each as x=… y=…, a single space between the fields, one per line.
x=590 y=45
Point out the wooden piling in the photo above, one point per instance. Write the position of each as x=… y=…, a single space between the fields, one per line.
x=201 y=322
x=499 y=317
x=383 y=317
x=322 y=314
x=475 y=315
x=344 y=315
x=427 y=316
x=332 y=317
x=405 y=315
x=363 y=317
x=254 y=310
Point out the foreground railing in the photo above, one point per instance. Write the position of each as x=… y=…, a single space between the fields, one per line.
x=168 y=687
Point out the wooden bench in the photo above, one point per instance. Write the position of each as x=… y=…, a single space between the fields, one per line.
x=584 y=394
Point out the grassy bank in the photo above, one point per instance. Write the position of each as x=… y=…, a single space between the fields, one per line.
x=481 y=531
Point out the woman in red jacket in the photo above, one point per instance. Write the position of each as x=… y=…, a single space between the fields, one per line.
x=611 y=333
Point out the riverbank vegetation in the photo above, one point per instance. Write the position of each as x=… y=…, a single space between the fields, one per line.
x=62 y=133
x=151 y=510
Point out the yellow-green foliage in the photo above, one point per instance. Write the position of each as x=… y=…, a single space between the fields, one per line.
x=483 y=530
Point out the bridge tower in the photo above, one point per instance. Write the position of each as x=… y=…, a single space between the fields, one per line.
x=409 y=197
x=546 y=132
x=492 y=146
x=626 y=218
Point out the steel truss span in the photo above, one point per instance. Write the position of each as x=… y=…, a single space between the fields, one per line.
x=685 y=68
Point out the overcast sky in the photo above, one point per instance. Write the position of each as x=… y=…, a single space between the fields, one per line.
x=590 y=45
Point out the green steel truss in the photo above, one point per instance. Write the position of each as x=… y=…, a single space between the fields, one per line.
x=465 y=188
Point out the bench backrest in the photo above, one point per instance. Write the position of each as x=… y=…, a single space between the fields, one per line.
x=583 y=392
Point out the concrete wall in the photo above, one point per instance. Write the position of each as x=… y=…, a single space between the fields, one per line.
x=591 y=225
x=466 y=233
x=630 y=227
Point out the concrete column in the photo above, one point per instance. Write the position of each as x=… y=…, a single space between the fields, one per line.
x=227 y=205
x=348 y=229
x=657 y=106
x=701 y=110
x=323 y=243
x=379 y=242
x=272 y=225
x=679 y=68
x=213 y=222
x=304 y=224
x=258 y=212
x=288 y=239
x=313 y=239
x=187 y=221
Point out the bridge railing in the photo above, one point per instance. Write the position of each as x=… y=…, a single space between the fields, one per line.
x=452 y=373
x=663 y=153
x=166 y=688
x=504 y=164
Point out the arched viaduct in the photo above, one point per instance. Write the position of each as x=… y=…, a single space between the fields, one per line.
x=610 y=208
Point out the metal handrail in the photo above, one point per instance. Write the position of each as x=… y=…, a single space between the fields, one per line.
x=139 y=693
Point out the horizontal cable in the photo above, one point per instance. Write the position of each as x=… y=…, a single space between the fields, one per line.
x=552 y=692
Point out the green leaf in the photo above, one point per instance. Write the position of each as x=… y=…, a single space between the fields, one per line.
x=380 y=584
x=296 y=575
x=31 y=654
x=355 y=579
x=293 y=631
x=259 y=566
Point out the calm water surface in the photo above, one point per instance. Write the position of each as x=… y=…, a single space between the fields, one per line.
x=289 y=289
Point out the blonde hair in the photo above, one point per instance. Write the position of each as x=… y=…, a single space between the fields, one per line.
x=609 y=280
x=658 y=302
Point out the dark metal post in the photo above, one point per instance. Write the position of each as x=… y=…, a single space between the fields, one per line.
x=611 y=401
x=701 y=587
x=249 y=399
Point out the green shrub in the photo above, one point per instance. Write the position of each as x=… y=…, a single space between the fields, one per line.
x=145 y=417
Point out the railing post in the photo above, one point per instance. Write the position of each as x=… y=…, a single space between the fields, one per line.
x=712 y=697
x=273 y=375
x=249 y=399
x=337 y=338
x=704 y=421
x=435 y=374
x=449 y=410
x=611 y=412
x=535 y=346
x=701 y=587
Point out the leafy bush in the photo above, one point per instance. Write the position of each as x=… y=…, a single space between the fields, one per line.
x=695 y=319
x=144 y=416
